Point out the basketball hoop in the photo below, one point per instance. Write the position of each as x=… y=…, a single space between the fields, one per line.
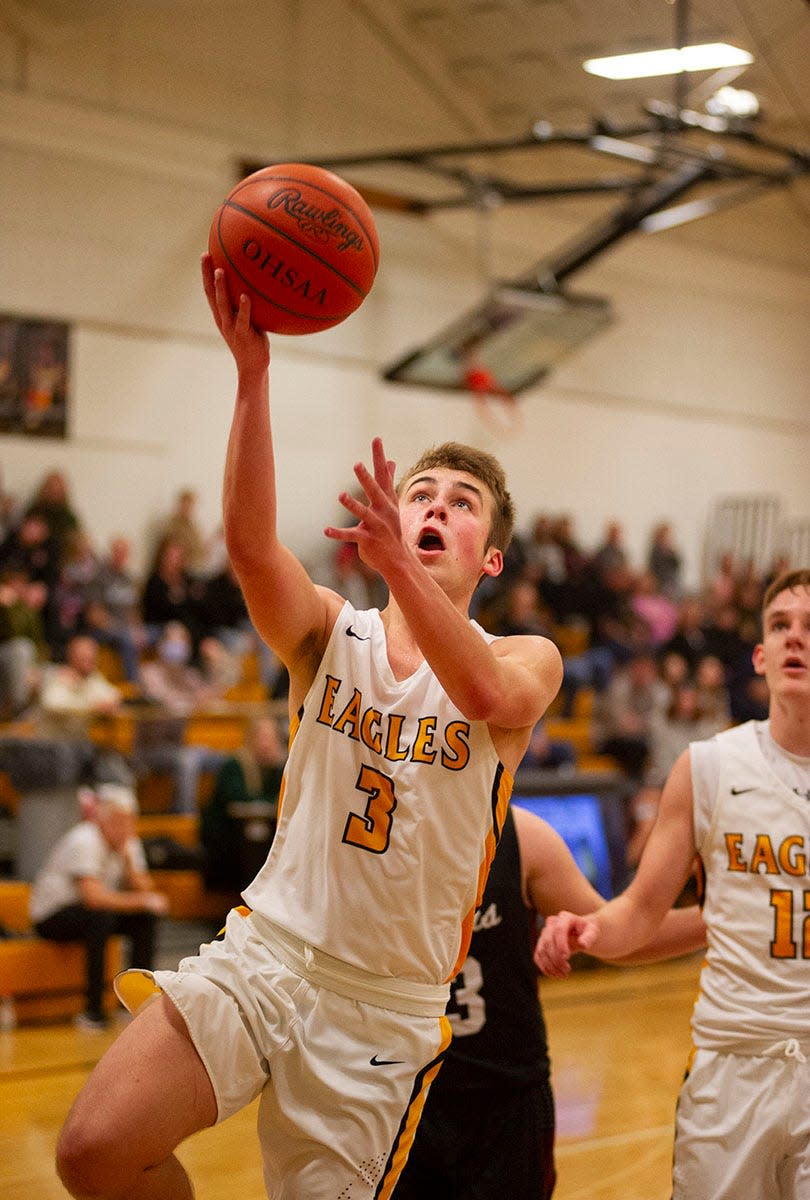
x=496 y=406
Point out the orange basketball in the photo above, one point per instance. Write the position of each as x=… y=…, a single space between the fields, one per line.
x=301 y=242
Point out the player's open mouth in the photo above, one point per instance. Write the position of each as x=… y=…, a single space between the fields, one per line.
x=794 y=663
x=430 y=540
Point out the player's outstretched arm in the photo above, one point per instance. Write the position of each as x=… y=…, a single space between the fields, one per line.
x=289 y=611
x=633 y=920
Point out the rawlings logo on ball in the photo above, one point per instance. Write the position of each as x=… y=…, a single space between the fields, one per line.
x=322 y=224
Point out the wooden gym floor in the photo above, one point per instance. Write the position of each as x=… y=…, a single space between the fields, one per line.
x=619 y=1040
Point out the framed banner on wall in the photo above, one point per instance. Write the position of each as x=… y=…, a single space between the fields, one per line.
x=33 y=376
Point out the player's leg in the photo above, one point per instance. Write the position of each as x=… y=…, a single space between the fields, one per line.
x=148 y=1092
x=347 y=1090
x=732 y=1112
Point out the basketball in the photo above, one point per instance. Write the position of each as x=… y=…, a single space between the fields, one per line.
x=300 y=242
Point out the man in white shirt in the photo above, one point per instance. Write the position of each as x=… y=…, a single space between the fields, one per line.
x=95 y=883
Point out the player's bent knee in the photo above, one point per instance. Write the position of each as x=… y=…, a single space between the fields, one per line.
x=90 y=1167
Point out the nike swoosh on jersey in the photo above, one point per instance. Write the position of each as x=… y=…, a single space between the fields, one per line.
x=384 y=1062
x=742 y=791
x=350 y=633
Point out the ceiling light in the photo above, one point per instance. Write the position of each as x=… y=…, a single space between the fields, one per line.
x=733 y=102
x=708 y=57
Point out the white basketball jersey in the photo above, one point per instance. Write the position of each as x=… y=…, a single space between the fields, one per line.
x=391 y=805
x=753 y=835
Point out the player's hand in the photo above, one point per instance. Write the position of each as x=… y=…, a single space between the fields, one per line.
x=562 y=936
x=249 y=346
x=378 y=532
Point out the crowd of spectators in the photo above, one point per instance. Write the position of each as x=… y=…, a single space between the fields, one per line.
x=57 y=585
x=659 y=663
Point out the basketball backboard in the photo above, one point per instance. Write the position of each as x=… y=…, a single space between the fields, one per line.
x=515 y=334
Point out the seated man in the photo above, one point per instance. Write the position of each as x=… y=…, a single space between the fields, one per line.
x=94 y=884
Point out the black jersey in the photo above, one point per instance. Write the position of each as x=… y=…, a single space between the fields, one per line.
x=499 y=1035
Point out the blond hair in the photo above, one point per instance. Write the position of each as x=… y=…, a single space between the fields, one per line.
x=788 y=582
x=482 y=466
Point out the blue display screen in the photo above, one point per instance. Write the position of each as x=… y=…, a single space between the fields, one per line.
x=579 y=821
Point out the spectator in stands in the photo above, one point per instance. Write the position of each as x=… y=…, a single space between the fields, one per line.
x=664 y=560
x=671 y=730
x=171 y=682
x=22 y=641
x=723 y=637
x=75 y=692
x=29 y=547
x=78 y=571
x=544 y=554
x=748 y=695
x=748 y=599
x=564 y=533
x=250 y=777
x=611 y=554
x=170 y=592
x=722 y=585
x=689 y=639
x=95 y=884
x=654 y=607
x=623 y=713
x=616 y=635
x=713 y=698
x=673 y=669
x=520 y=612
x=112 y=615
x=222 y=612
x=52 y=504
x=566 y=601
x=183 y=527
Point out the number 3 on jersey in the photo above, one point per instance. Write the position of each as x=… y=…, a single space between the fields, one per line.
x=372 y=831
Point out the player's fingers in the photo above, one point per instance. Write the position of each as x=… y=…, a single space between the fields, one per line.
x=242 y=322
x=548 y=961
x=560 y=928
x=368 y=483
x=209 y=286
x=341 y=535
x=586 y=935
x=353 y=505
x=382 y=472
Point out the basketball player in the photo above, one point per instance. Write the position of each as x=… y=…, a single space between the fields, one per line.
x=487 y=1131
x=741 y=801
x=327 y=996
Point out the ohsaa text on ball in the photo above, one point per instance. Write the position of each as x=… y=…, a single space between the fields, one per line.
x=286 y=276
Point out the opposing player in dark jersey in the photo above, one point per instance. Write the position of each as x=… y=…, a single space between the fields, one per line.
x=487 y=1132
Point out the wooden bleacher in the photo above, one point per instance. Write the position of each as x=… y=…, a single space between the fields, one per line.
x=46 y=980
